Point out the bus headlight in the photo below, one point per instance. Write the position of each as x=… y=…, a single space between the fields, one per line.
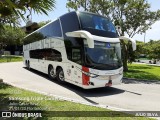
x=90 y=74
x=93 y=75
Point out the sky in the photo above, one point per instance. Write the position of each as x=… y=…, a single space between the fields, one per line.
x=153 y=33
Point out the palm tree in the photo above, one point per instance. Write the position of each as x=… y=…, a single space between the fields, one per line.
x=18 y=8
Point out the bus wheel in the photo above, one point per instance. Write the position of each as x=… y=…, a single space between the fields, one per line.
x=51 y=72
x=60 y=75
x=28 y=65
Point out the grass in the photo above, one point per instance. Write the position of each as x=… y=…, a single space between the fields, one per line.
x=142 y=71
x=10 y=58
x=10 y=94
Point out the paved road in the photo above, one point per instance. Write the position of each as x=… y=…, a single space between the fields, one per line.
x=147 y=62
x=131 y=96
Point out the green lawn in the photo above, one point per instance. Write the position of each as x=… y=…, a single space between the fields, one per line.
x=9 y=94
x=142 y=71
x=10 y=58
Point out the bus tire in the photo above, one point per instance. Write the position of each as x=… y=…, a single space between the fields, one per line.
x=28 y=65
x=51 y=72
x=60 y=75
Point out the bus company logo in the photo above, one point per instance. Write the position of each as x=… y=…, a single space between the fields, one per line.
x=6 y=114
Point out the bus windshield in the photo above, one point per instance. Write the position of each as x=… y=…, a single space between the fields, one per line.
x=104 y=56
x=97 y=25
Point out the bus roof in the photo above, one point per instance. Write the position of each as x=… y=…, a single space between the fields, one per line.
x=62 y=16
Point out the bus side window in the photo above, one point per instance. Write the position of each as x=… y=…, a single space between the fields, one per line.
x=76 y=55
x=34 y=54
x=69 y=23
x=53 y=55
x=57 y=56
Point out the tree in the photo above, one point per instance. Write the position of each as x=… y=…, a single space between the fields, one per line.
x=153 y=49
x=11 y=10
x=96 y=6
x=140 y=49
x=133 y=16
x=11 y=36
x=41 y=24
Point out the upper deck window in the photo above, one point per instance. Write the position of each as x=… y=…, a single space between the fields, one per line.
x=97 y=25
x=52 y=30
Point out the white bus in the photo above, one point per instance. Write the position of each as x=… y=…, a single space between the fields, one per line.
x=79 y=47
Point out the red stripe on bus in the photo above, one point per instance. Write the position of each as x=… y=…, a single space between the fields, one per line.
x=85 y=78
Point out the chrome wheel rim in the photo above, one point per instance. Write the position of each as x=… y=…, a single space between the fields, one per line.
x=52 y=72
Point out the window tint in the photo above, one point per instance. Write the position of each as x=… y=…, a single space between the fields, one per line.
x=56 y=29
x=69 y=53
x=69 y=22
x=46 y=54
x=76 y=55
x=33 y=38
x=53 y=55
x=51 y=30
x=96 y=22
x=97 y=25
x=34 y=54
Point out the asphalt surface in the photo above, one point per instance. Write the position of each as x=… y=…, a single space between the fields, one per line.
x=134 y=96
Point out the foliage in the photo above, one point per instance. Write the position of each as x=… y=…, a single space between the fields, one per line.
x=19 y=7
x=152 y=49
x=8 y=58
x=11 y=10
x=34 y=101
x=41 y=24
x=140 y=49
x=95 y=6
x=133 y=16
x=11 y=36
x=15 y=36
x=6 y=14
x=143 y=72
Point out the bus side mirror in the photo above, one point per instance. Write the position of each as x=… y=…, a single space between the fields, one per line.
x=129 y=39
x=82 y=34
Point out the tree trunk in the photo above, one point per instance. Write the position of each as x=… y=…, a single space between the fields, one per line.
x=124 y=56
x=125 y=67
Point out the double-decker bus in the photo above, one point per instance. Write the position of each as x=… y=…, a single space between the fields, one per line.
x=81 y=48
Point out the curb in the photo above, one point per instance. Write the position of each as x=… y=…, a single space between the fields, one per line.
x=145 y=81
